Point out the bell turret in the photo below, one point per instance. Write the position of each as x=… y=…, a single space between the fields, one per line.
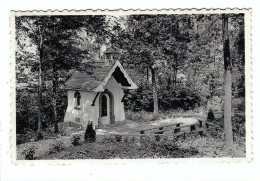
x=111 y=56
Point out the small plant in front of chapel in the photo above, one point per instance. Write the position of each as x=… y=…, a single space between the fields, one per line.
x=90 y=134
x=75 y=139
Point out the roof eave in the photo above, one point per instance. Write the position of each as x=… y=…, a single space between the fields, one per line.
x=100 y=88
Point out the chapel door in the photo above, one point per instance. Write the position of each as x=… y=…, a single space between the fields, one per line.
x=104 y=106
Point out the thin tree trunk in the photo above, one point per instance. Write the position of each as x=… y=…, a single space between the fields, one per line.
x=175 y=72
x=147 y=73
x=54 y=91
x=40 y=90
x=155 y=98
x=228 y=85
x=175 y=79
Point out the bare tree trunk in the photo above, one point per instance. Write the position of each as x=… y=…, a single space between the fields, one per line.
x=175 y=72
x=40 y=90
x=228 y=85
x=147 y=73
x=155 y=98
x=54 y=91
x=175 y=79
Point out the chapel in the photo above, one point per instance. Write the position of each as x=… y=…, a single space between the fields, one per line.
x=96 y=93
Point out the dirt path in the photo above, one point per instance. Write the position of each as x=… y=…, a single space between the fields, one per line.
x=131 y=127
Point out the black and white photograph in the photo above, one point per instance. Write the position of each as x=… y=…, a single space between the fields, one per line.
x=131 y=86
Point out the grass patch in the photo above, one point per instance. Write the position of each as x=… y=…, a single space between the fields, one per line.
x=144 y=116
x=210 y=145
x=106 y=148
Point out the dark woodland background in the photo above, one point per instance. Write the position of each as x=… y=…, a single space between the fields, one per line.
x=178 y=57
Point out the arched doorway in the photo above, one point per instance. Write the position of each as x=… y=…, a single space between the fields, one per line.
x=104 y=105
x=106 y=108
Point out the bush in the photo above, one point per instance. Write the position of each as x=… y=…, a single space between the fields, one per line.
x=157 y=137
x=126 y=139
x=75 y=139
x=118 y=138
x=29 y=153
x=90 y=134
x=145 y=138
x=56 y=147
x=27 y=136
x=48 y=132
x=132 y=139
x=210 y=115
x=142 y=99
x=39 y=136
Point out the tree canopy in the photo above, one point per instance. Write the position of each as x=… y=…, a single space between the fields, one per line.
x=176 y=60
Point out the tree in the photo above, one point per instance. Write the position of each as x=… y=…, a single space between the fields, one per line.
x=149 y=42
x=60 y=46
x=65 y=51
x=227 y=84
x=34 y=28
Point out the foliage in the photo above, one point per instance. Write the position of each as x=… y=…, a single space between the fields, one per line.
x=141 y=99
x=26 y=137
x=29 y=153
x=75 y=139
x=56 y=147
x=184 y=51
x=39 y=136
x=90 y=134
x=53 y=44
x=193 y=146
x=118 y=138
x=210 y=116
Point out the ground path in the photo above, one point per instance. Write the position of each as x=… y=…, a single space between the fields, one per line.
x=132 y=127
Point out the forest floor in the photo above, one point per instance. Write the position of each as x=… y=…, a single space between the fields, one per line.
x=209 y=145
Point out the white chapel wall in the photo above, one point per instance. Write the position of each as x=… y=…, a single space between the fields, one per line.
x=86 y=111
x=118 y=94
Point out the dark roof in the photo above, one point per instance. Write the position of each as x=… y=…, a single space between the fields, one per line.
x=87 y=80
x=95 y=73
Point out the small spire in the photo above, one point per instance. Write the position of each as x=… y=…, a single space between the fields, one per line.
x=111 y=55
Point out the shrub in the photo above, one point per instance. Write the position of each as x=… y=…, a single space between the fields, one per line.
x=144 y=138
x=39 y=136
x=56 y=147
x=75 y=139
x=118 y=138
x=210 y=115
x=48 y=132
x=27 y=136
x=20 y=139
x=90 y=134
x=126 y=139
x=29 y=153
x=157 y=137
x=132 y=139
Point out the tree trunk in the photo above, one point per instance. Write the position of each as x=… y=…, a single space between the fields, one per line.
x=228 y=85
x=175 y=67
x=147 y=73
x=40 y=90
x=54 y=98
x=155 y=98
x=175 y=79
